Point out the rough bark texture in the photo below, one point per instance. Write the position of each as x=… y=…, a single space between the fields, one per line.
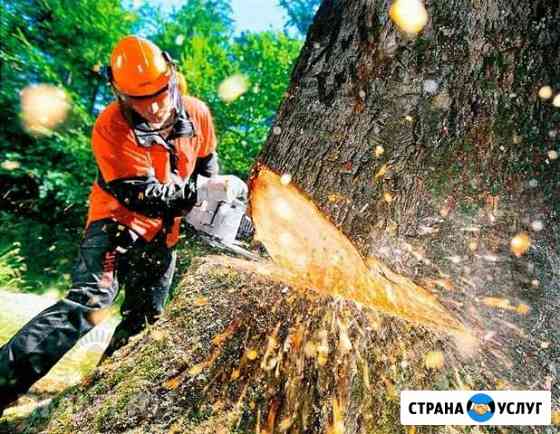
x=360 y=84
x=465 y=163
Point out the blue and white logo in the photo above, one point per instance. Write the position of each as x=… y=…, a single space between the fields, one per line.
x=476 y=407
x=481 y=407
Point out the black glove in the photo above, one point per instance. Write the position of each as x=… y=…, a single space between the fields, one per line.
x=152 y=198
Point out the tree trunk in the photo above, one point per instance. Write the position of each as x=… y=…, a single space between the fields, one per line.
x=93 y=97
x=432 y=153
x=454 y=113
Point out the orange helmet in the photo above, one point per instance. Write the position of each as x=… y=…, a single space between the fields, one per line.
x=139 y=67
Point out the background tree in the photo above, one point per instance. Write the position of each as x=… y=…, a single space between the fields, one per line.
x=57 y=42
x=200 y=37
x=300 y=13
x=265 y=59
x=45 y=179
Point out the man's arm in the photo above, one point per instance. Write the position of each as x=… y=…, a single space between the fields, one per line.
x=207 y=162
x=126 y=172
x=152 y=198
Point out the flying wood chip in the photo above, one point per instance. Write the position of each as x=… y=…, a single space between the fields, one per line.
x=43 y=108
x=309 y=251
x=410 y=16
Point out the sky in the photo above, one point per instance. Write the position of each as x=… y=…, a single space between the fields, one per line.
x=257 y=15
x=253 y=15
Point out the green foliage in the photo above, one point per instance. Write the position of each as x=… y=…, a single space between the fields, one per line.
x=11 y=266
x=36 y=257
x=208 y=54
x=266 y=60
x=56 y=42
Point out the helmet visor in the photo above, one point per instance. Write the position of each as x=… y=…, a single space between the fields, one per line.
x=154 y=108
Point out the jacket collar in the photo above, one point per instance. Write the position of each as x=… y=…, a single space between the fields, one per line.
x=182 y=126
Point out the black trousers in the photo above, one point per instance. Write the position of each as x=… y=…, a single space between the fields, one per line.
x=110 y=256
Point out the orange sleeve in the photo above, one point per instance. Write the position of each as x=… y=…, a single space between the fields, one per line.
x=207 y=133
x=117 y=155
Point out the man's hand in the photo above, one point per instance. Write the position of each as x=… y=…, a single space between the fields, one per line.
x=224 y=188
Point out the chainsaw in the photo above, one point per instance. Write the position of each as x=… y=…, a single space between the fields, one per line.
x=221 y=220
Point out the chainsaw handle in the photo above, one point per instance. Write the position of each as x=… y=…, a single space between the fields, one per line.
x=220 y=188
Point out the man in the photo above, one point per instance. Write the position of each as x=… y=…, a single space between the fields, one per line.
x=156 y=154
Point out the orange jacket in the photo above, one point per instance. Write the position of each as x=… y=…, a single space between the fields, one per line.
x=118 y=155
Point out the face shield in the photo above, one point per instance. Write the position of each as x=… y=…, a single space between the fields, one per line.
x=150 y=115
x=160 y=109
x=157 y=109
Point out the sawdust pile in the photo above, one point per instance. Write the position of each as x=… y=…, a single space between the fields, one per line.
x=237 y=353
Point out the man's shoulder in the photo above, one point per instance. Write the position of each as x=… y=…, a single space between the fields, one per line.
x=111 y=116
x=195 y=106
x=111 y=123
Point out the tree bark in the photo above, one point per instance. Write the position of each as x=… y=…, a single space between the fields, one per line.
x=455 y=111
x=432 y=153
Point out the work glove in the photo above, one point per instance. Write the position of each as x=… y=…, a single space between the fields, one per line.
x=221 y=188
